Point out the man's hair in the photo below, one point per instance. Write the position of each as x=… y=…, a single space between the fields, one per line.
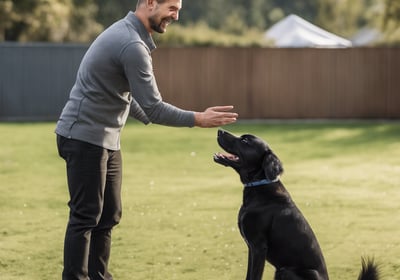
x=139 y=2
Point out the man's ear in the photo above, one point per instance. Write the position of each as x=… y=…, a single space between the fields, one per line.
x=272 y=166
x=150 y=3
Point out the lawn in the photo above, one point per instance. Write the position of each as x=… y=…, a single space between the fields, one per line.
x=180 y=208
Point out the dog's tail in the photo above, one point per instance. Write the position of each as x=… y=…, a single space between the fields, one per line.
x=369 y=270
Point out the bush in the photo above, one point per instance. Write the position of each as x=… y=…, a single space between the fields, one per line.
x=201 y=35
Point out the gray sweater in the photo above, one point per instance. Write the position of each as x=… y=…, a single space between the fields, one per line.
x=115 y=79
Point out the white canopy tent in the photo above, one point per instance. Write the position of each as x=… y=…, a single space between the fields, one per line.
x=366 y=37
x=295 y=32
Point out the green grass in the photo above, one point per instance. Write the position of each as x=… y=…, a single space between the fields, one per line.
x=180 y=208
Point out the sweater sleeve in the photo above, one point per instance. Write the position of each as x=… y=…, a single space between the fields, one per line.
x=137 y=64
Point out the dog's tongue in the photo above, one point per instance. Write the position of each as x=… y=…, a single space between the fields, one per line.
x=228 y=156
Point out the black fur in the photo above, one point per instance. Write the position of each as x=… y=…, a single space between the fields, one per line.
x=269 y=221
x=369 y=270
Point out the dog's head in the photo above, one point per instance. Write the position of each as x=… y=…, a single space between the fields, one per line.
x=249 y=155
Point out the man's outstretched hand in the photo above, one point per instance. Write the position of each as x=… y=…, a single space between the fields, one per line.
x=215 y=116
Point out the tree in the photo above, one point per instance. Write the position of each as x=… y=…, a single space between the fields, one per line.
x=110 y=10
x=83 y=26
x=256 y=15
x=341 y=17
x=391 y=22
x=7 y=16
x=83 y=20
x=48 y=20
x=275 y=10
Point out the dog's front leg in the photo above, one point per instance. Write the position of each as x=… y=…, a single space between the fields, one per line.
x=256 y=262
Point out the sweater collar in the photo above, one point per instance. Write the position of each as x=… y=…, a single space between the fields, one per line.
x=143 y=33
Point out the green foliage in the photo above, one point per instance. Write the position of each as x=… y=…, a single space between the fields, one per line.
x=48 y=20
x=81 y=21
x=201 y=35
x=180 y=208
x=341 y=17
x=391 y=22
x=6 y=16
x=346 y=17
x=110 y=11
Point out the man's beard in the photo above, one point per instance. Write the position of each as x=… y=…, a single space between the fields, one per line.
x=158 y=26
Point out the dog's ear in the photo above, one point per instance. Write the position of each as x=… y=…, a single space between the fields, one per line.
x=272 y=166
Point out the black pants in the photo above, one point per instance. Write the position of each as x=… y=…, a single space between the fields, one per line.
x=94 y=183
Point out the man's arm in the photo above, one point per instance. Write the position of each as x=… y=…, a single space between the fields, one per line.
x=139 y=71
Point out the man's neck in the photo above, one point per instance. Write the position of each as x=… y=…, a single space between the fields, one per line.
x=140 y=15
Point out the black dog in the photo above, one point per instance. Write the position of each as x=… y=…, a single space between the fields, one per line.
x=269 y=221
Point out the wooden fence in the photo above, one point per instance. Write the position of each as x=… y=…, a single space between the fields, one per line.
x=35 y=79
x=261 y=83
x=284 y=83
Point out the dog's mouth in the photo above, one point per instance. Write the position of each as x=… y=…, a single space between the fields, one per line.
x=226 y=158
x=229 y=156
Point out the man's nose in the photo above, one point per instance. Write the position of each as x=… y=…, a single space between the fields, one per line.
x=175 y=15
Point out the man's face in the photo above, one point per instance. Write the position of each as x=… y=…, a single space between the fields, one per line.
x=163 y=14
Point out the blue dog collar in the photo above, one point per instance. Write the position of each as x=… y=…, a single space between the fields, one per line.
x=261 y=182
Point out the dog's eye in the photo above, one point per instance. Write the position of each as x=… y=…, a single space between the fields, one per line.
x=245 y=141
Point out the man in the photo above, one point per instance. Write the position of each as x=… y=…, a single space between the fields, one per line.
x=115 y=79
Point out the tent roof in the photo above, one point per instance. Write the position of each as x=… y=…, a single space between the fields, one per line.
x=295 y=32
x=366 y=36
